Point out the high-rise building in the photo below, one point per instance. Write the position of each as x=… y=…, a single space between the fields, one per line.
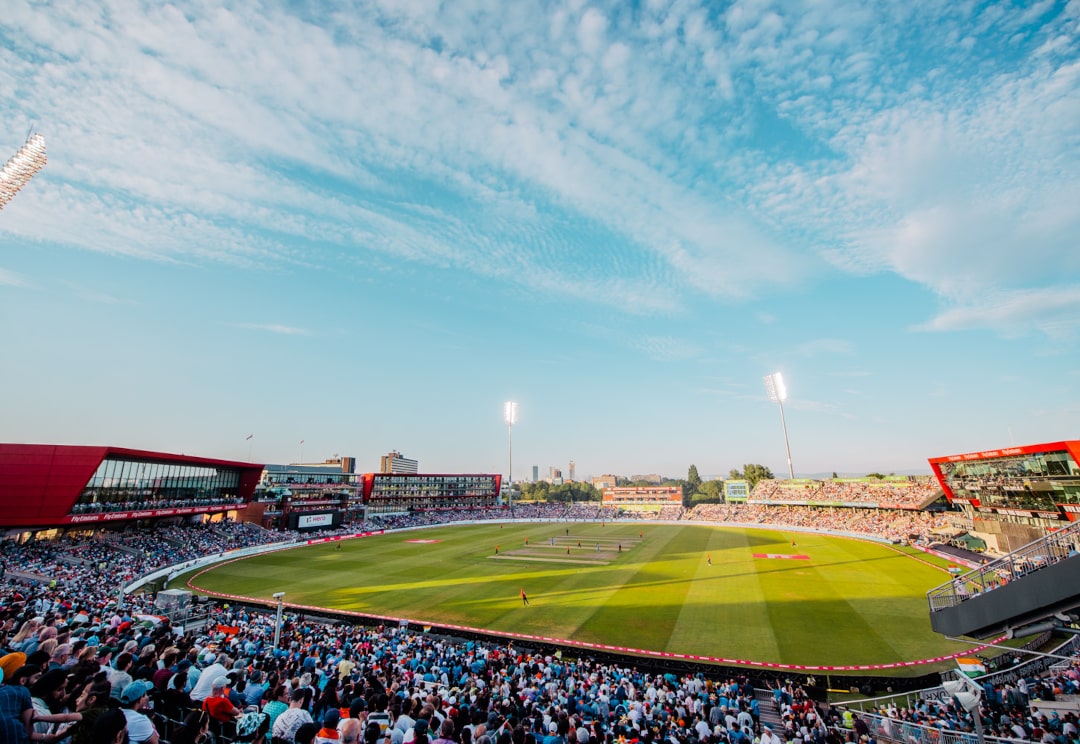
x=395 y=462
x=536 y=473
x=571 y=469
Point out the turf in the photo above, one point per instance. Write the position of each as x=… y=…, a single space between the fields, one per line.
x=850 y=602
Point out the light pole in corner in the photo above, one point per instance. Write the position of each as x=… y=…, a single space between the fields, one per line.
x=280 y=597
x=510 y=414
x=777 y=391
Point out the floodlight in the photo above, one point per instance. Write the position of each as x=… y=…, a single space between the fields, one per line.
x=510 y=414
x=774 y=386
x=22 y=166
x=777 y=392
x=279 y=595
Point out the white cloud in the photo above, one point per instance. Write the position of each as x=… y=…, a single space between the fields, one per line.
x=713 y=153
x=283 y=330
x=830 y=346
x=667 y=348
x=1054 y=311
x=9 y=278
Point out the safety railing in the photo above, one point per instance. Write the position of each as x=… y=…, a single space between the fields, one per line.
x=1046 y=551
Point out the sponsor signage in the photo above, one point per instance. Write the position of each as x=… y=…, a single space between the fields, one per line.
x=314 y=520
x=145 y=514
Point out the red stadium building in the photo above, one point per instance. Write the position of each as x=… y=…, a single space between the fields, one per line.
x=46 y=485
x=1014 y=495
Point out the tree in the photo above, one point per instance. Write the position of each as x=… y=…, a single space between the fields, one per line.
x=693 y=479
x=735 y=474
x=711 y=492
x=753 y=473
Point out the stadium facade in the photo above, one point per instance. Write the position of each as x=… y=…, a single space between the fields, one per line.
x=1014 y=495
x=53 y=485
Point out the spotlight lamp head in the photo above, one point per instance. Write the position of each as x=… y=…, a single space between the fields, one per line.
x=966 y=692
x=22 y=166
x=775 y=388
x=510 y=413
x=279 y=595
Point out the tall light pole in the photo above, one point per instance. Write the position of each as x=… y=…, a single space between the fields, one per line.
x=22 y=166
x=280 y=597
x=777 y=391
x=510 y=414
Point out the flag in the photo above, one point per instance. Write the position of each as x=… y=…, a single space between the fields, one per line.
x=249 y=436
x=301 y=441
x=971 y=666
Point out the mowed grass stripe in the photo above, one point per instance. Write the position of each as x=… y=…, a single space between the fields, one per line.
x=851 y=603
x=645 y=612
x=725 y=613
x=821 y=623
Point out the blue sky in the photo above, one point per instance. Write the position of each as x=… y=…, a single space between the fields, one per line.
x=368 y=226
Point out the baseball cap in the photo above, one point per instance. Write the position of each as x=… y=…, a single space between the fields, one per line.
x=134 y=691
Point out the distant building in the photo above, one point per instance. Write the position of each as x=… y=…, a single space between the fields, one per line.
x=605 y=481
x=536 y=473
x=572 y=478
x=554 y=476
x=650 y=478
x=395 y=462
x=626 y=495
x=335 y=464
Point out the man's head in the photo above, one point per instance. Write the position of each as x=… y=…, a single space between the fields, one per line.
x=133 y=695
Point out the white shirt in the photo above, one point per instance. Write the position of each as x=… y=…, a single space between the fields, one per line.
x=205 y=685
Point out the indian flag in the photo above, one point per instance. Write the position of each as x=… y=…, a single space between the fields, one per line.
x=970 y=666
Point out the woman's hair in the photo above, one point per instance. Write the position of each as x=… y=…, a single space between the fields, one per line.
x=48 y=646
x=108 y=726
x=27 y=629
x=192 y=727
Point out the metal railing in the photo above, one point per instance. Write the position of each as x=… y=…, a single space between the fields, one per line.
x=1046 y=551
x=895 y=730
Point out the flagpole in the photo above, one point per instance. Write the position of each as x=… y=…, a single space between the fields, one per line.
x=301 y=452
x=251 y=445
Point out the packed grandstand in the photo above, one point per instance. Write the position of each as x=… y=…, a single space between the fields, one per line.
x=71 y=647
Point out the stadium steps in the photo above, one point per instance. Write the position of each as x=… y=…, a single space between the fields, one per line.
x=1025 y=587
x=768 y=715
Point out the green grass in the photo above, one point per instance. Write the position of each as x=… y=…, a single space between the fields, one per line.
x=851 y=603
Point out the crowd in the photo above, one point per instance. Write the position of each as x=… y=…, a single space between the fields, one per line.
x=390 y=685
x=893 y=524
x=886 y=493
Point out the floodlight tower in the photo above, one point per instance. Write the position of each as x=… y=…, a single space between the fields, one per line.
x=510 y=414
x=22 y=166
x=777 y=391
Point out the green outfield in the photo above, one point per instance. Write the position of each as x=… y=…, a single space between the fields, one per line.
x=821 y=601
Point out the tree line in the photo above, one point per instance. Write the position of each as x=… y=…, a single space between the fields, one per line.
x=694 y=489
